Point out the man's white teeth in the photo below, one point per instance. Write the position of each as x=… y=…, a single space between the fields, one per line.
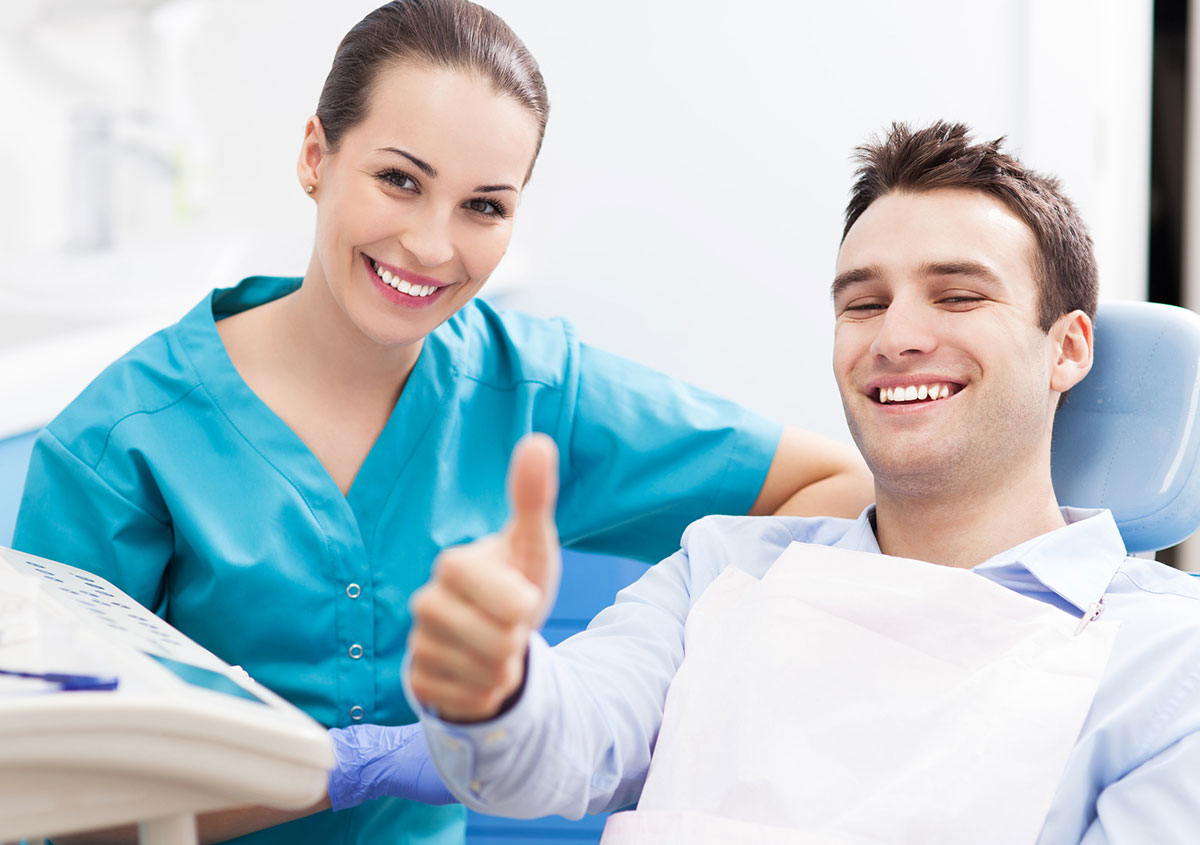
x=402 y=285
x=914 y=392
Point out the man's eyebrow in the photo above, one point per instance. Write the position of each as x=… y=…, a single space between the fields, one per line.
x=426 y=168
x=853 y=277
x=973 y=269
x=960 y=268
x=431 y=171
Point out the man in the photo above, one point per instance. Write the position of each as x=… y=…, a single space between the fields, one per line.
x=967 y=661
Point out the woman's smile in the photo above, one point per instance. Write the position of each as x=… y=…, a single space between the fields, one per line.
x=404 y=287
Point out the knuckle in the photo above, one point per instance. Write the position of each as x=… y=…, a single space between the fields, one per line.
x=421 y=602
x=513 y=641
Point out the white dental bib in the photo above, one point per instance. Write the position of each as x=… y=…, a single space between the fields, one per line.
x=850 y=697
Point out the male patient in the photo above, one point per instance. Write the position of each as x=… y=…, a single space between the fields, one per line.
x=966 y=662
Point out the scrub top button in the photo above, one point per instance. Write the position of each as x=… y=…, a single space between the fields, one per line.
x=353 y=590
x=355 y=651
x=356 y=713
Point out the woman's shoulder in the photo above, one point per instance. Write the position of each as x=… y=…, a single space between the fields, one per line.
x=152 y=376
x=505 y=347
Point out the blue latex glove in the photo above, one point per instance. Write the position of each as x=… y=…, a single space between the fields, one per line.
x=376 y=760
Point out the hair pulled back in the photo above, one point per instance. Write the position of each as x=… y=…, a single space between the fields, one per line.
x=452 y=34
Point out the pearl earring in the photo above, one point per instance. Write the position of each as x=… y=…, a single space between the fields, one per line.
x=309 y=189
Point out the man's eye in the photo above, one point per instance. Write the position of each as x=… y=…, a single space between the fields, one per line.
x=864 y=307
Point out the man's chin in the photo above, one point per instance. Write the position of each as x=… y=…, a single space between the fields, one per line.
x=923 y=474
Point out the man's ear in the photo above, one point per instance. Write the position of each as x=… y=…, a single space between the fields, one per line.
x=1071 y=335
x=313 y=152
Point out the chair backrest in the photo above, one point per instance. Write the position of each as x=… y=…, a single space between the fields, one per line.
x=1126 y=437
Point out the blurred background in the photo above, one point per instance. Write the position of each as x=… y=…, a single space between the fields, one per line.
x=687 y=205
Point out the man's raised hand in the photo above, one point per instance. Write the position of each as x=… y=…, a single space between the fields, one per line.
x=471 y=622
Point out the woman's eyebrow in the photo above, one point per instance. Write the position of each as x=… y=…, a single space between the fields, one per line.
x=425 y=167
x=431 y=171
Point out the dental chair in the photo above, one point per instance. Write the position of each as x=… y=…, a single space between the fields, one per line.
x=1126 y=438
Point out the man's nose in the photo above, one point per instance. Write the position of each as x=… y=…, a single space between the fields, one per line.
x=428 y=238
x=905 y=329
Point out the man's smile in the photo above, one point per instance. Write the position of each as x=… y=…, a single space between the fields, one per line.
x=929 y=391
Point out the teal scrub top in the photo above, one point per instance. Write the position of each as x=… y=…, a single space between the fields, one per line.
x=172 y=479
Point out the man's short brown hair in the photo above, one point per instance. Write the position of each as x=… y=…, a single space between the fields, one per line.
x=943 y=156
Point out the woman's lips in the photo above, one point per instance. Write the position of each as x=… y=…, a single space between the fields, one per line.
x=404 y=287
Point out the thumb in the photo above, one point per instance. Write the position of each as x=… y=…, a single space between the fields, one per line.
x=533 y=493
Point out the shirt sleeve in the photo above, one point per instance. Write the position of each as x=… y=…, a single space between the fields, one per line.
x=647 y=454
x=580 y=736
x=1155 y=802
x=70 y=514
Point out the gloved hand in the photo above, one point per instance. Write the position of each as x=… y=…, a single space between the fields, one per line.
x=376 y=760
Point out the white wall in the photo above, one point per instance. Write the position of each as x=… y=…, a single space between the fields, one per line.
x=686 y=209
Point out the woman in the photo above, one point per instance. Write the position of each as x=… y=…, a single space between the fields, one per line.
x=275 y=473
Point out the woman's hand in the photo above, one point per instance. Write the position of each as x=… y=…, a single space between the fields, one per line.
x=471 y=622
x=378 y=760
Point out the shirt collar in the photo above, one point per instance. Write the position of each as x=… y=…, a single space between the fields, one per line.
x=1076 y=561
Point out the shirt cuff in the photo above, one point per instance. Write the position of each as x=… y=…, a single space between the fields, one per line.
x=479 y=761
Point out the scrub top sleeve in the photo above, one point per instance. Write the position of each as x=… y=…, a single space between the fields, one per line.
x=648 y=454
x=70 y=514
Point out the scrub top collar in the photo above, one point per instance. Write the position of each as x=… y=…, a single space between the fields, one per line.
x=384 y=462
x=1076 y=562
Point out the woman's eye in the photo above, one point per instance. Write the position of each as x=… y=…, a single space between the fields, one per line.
x=488 y=208
x=397 y=179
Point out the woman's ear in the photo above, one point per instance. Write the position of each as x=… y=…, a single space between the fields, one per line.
x=313 y=153
x=1072 y=337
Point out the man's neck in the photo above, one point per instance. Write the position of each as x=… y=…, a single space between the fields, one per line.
x=965 y=528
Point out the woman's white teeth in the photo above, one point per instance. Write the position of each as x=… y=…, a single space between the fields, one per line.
x=403 y=285
x=914 y=392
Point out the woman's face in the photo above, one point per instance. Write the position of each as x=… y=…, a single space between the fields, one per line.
x=415 y=209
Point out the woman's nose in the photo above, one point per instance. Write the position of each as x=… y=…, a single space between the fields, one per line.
x=428 y=239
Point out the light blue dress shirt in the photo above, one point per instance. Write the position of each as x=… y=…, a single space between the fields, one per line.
x=169 y=477
x=580 y=737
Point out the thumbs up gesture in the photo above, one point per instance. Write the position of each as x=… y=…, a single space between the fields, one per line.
x=471 y=622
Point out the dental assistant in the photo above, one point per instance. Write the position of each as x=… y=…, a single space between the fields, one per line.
x=275 y=473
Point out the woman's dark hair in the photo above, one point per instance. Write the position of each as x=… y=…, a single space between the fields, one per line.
x=452 y=34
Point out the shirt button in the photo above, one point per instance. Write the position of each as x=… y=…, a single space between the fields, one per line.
x=475 y=785
x=356 y=713
x=355 y=651
x=353 y=590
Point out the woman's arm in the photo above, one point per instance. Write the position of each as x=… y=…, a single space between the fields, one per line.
x=812 y=475
x=211 y=827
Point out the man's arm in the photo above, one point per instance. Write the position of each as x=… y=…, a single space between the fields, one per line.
x=812 y=475
x=518 y=728
x=1156 y=802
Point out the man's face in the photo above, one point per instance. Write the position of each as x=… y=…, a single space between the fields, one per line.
x=944 y=375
